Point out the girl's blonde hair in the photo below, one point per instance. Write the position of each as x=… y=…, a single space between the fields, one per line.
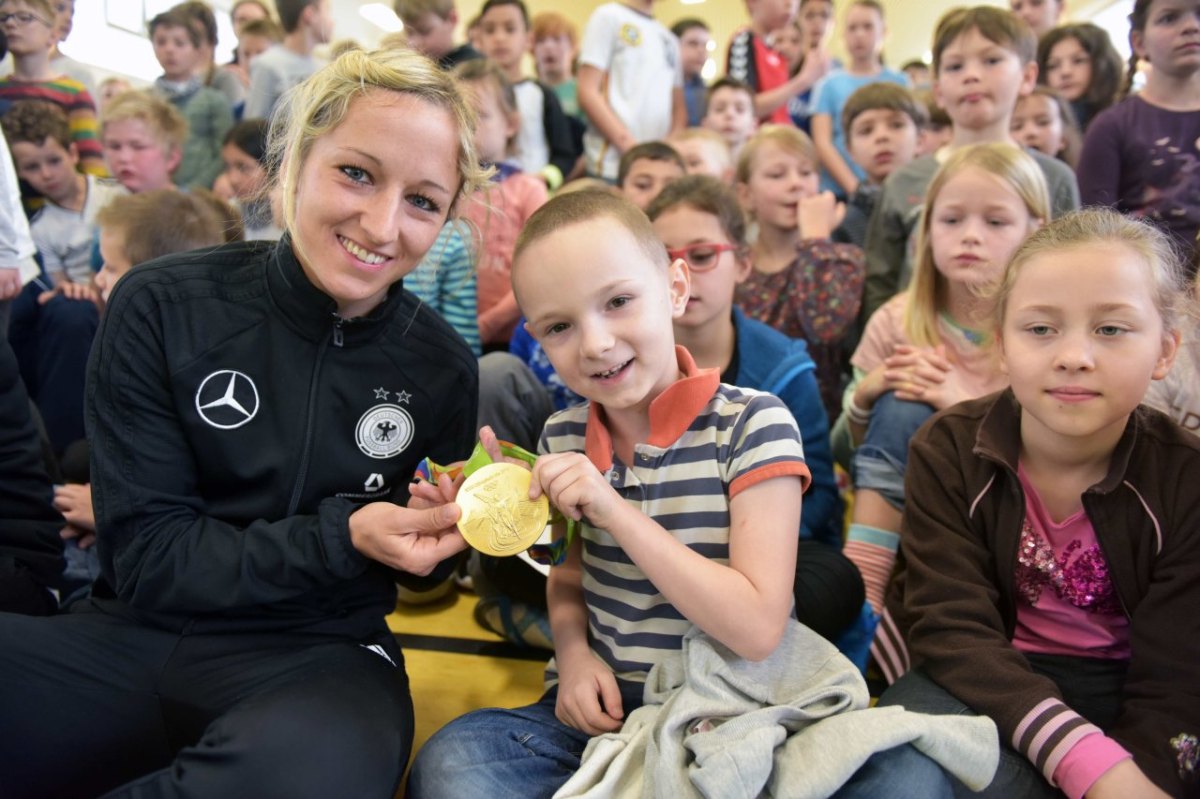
x=1003 y=161
x=1093 y=227
x=318 y=105
x=786 y=137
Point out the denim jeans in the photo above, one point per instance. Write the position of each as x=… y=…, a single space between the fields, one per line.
x=527 y=753
x=1015 y=776
x=882 y=457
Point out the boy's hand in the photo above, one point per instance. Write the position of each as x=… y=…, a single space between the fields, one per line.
x=72 y=291
x=74 y=502
x=84 y=539
x=575 y=487
x=588 y=697
x=819 y=215
x=10 y=282
x=817 y=64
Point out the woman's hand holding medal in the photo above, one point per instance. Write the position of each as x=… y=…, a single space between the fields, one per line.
x=413 y=539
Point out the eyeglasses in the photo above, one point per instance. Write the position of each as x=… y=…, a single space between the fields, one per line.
x=22 y=18
x=701 y=256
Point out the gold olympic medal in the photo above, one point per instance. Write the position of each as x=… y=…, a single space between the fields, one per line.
x=498 y=517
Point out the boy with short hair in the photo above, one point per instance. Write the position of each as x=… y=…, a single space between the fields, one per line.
x=545 y=143
x=636 y=482
x=555 y=44
x=143 y=137
x=45 y=156
x=209 y=117
x=686 y=494
x=865 y=31
x=883 y=123
x=704 y=152
x=430 y=27
x=630 y=83
x=645 y=169
x=917 y=72
x=134 y=229
x=694 y=42
x=305 y=23
x=730 y=112
x=983 y=60
x=138 y=228
x=31 y=38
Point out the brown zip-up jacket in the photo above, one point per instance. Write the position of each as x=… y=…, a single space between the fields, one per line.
x=954 y=604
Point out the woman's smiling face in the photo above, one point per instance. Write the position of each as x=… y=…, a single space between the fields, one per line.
x=366 y=210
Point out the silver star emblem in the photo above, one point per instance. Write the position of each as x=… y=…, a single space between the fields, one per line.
x=381 y=393
x=403 y=397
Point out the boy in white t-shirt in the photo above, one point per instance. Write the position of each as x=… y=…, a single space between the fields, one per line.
x=630 y=83
x=545 y=144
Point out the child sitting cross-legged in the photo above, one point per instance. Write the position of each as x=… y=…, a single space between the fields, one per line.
x=1050 y=558
x=803 y=284
x=51 y=330
x=134 y=229
x=686 y=493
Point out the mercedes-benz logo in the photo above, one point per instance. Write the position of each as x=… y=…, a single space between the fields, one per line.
x=227 y=399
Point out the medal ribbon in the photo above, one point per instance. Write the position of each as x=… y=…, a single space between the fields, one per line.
x=551 y=554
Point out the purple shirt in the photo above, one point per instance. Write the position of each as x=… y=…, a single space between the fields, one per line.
x=1145 y=160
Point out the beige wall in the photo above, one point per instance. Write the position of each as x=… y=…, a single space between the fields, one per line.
x=910 y=22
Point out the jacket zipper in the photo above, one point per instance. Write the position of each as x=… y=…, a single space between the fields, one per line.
x=302 y=473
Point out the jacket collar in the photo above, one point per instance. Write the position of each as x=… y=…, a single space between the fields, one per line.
x=999 y=439
x=311 y=312
x=671 y=412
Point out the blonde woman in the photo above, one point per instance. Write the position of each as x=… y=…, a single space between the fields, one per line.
x=255 y=412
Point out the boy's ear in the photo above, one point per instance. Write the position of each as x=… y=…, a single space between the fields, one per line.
x=680 y=284
x=1029 y=75
x=174 y=156
x=73 y=153
x=452 y=17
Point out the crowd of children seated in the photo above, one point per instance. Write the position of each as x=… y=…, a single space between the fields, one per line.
x=971 y=284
